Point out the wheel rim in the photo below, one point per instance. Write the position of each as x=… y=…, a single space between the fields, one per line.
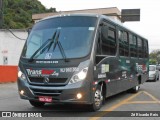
x=98 y=98
x=137 y=88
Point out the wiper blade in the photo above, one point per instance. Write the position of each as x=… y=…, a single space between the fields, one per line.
x=56 y=41
x=60 y=47
x=50 y=44
x=42 y=46
x=54 y=36
x=62 y=51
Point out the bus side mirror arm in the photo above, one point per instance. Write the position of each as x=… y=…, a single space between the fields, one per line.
x=29 y=30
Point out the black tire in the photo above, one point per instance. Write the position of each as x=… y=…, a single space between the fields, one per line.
x=134 y=89
x=98 y=99
x=158 y=78
x=36 y=103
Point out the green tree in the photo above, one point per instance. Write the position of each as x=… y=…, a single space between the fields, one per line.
x=152 y=61
x=154 y=57
x=18 y=13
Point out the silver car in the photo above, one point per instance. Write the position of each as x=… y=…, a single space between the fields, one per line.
x=153 y=73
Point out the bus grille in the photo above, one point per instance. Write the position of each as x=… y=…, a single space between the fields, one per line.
x=51 y=80
x=46 y=92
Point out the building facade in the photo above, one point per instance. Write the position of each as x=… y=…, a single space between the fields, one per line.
x=10 y=50
x=113 y=12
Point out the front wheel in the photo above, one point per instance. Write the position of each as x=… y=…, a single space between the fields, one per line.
x=135 y=89
x=36 y=104
x=98 y=99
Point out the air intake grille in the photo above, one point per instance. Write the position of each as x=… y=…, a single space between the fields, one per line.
x=51 y=80
x=46 y=92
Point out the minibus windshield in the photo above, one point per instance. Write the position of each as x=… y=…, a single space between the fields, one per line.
x=75 y=38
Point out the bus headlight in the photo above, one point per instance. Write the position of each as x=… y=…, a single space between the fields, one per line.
x=21 y=75
x=79 y=76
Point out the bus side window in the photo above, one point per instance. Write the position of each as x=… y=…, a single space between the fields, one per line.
x=145 y=49
x=105 y=43
x=108 y=37
x=112 y=39
x=121 y=46
x=133 y=45
x=99 y=46
x=123 y=43
x=126 y=44
x=99 y=50
x=140 y=48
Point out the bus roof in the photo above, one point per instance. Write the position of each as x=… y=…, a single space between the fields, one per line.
x=100 y=16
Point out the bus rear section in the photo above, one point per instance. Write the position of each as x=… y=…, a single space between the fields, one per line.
x=121 y=59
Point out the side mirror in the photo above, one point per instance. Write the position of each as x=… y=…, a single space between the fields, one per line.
x=101 y=24
x=29 y=30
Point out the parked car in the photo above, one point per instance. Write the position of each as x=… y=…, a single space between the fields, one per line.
x=153 y=73
x=158 y=67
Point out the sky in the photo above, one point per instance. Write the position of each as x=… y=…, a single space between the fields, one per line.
x=149 y=23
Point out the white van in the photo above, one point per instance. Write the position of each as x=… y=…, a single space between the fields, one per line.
x=153 y=73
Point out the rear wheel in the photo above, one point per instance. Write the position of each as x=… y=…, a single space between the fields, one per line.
x=135 y=89
x=155 y=79
x=158 y=78
x=36 y=104
x=98 y=99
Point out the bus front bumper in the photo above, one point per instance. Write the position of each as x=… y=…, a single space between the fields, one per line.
x=60 y=94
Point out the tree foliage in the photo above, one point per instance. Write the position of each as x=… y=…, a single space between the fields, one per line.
x=154 y=57
x=17 y=14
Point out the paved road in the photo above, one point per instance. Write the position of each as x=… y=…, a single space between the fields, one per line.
x=147 y=99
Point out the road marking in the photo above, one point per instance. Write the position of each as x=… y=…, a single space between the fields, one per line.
x=155 y=100
x=151 y=96
x=101 y=114
x=126 y=101
x=142 y=102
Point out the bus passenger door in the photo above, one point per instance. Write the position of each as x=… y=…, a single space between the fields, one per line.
x=106 y=61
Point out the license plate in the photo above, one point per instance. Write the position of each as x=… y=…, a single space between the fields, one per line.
x=45 y=99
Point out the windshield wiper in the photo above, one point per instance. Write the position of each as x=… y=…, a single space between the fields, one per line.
x=60 y=47
x=42 y=47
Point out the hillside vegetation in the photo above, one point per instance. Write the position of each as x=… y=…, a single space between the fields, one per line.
x=17 y=14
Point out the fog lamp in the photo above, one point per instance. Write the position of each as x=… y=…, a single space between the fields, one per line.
x=79 y=96
x=22 y=92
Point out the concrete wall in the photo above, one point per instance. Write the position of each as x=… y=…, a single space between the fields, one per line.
x=10 y=50
x=10 y=46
